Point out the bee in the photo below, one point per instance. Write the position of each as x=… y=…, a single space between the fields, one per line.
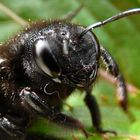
x=46 y=63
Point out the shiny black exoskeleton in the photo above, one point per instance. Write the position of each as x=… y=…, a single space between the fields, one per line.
x=41 y=67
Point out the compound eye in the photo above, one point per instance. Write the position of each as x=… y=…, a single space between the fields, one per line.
x=45 y=59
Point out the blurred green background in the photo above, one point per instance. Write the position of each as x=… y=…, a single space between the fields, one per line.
x=121 y=38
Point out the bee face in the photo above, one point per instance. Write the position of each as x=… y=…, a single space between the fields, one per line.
x=63 y=55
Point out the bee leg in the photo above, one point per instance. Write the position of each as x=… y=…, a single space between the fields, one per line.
x=9 y=130
x=95 y=113
x=41 y=107
x=114 y=70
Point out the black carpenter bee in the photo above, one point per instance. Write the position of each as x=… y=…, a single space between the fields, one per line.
x=46 y=62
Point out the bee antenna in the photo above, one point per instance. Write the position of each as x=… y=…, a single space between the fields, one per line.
x=113 y=18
